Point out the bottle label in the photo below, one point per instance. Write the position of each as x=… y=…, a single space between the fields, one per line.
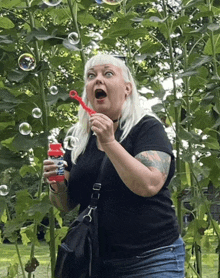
x=58 y=160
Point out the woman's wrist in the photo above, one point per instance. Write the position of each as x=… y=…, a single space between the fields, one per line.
x=58 y=187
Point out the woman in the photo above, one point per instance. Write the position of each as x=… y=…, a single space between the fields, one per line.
x=137 y=224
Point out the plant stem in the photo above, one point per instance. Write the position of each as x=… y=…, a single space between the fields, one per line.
x=19 y=258
x=44 y=119
x=176 y=115
x=73 y=10
x=16 y=246
x=212 y=42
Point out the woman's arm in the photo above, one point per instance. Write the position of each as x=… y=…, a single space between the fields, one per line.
x=144 y=174
x=58 y=191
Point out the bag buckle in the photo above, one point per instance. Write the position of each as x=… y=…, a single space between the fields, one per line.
x=89 y=215
x=96 y=188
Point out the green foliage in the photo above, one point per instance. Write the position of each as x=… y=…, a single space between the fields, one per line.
x=160 y=43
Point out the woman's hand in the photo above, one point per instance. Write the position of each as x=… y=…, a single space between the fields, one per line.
x=50 y=169
x=103 y=127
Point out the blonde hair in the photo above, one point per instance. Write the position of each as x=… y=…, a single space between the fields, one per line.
x=132 y=112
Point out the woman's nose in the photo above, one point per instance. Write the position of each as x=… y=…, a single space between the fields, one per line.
x=99 y=79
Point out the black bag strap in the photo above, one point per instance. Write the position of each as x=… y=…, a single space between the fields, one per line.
x=97 y=185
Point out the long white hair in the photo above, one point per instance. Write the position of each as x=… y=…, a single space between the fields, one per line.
x=132 y=112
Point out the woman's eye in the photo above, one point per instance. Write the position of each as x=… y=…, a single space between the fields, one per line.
x=108 y=73
x=90 y=75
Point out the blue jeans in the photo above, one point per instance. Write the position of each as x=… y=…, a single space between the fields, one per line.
x=163 y=262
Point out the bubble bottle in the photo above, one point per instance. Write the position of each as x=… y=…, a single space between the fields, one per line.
x=56 y=153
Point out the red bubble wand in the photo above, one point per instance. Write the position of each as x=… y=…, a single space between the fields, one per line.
x=74 y=94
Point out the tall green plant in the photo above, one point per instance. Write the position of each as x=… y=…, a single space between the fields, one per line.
x=160 y=41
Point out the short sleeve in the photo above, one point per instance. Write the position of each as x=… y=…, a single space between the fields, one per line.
x=151 y=135
x=67 y=158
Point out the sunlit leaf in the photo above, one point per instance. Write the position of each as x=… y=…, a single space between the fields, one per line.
x=208 y=47
x=6 y=23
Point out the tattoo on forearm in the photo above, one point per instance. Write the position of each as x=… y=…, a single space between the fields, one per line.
x=155 y=159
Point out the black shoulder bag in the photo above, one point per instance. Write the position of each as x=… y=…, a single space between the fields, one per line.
x=78 y=254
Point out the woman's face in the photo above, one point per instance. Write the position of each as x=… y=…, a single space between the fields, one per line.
x=106 y=89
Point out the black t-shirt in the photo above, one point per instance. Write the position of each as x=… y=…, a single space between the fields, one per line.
x=128 y=224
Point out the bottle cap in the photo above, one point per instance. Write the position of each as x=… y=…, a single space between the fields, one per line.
x=55 y=146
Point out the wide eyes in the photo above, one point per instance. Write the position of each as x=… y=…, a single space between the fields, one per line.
x=93 y=75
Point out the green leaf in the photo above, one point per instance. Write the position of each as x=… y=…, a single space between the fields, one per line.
x=9 y=159
x=12 y=270
x=3 y=125
x=187 y=74
x=212 y=143
x=200 y=61
x=40 y=34
x=24 y=201
x=10 y=3
x=2 y=207
x=17 y=75
x=7 y=96
x=28 y=235
x=213 y=27
x=86 y=18
x=39 y=209
x=158 y=89
x=149 y=47
x=25 y=240
x=157 y=19
x=208 y=47
x=202 y=14
x=189 y=136
x=180 y=20
x=12 y=227
x=156 y=108
x=25 y=169
x=5 y=39
x=6 y=23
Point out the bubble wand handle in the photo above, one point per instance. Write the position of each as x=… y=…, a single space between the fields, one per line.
x=74 y=94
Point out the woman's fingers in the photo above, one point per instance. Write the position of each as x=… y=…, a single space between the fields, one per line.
x=50 y=168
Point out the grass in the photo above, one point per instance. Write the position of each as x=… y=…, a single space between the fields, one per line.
x=8 y=256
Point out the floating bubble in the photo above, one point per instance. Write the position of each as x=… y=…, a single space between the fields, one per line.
x=73 y=38
x=27 y=62
x=25 y=128
x=4 y=190
x=112 y=2
x=36 y=113
x=53 y=90
x=70 y=142
x=52 y=3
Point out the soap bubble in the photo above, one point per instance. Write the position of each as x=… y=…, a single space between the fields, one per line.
x=4 y=190
x=36 y=113
x=112 y=2
x=53 y=90
x=25 y=128
x=70 y=142
x=27 y=62
x=52 y=3
x=73 y=38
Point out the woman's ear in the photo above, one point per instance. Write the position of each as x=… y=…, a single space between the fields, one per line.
x=128 y=89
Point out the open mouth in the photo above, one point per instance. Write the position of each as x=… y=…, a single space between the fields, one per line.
x=100 y=94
